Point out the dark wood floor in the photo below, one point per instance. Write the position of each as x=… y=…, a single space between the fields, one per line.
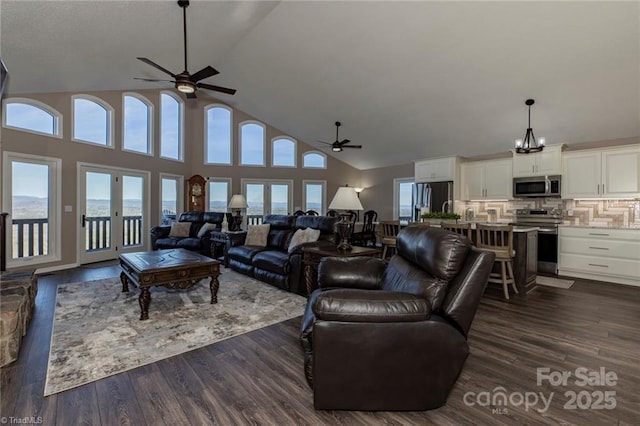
x=257 y=378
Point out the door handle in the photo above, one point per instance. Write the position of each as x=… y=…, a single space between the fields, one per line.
x=84 y=220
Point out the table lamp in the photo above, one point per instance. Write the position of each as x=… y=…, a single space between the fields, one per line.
x=345 y=199
x=236 y=204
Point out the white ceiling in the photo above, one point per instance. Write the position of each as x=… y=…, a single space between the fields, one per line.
x=408 y=80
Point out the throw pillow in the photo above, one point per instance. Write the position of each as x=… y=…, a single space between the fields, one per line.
x=257 y=235
x=206 y=228
x=180 y=229
x=299 y=237
x=312 y=235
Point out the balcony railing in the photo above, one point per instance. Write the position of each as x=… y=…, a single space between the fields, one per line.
x=29 y=236
x=98 y=229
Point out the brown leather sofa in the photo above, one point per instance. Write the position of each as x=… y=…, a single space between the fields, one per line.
x=160 y=238
x=274 y=264
x=393 y=337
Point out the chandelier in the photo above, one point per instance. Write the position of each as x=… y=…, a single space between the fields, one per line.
x=529 y=143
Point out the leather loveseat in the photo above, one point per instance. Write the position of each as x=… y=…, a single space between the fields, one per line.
x=160 y=238
x=393 y=337
x=274 y=264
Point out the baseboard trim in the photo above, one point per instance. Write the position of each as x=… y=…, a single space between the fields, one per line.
x=56 y=268
x=596 y=277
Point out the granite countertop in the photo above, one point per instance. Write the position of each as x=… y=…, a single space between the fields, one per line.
x=515 y=228
x=625 y=227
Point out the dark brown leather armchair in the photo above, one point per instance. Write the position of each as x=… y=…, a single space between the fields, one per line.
x=393 y=337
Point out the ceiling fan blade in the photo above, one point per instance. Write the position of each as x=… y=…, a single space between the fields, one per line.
x=216 y=88
x=205 y=72
x=152 y=79
x=326 y=143
x=344 y=141
x=191 y=95
x=153 y=64
x=351 y=146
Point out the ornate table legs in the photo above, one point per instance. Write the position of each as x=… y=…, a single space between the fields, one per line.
x=214 y=285
x=125 y=282
x=144 y=299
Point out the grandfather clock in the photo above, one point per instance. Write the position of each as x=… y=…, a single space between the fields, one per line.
x=195 y=193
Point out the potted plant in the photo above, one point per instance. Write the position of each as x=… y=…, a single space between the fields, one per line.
x=438 y=217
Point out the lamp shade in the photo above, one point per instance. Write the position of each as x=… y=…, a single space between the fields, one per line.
x=346 y=198
x=238 y=201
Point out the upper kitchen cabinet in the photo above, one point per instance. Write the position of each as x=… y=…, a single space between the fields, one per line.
x=487 y=180
x=436 y=170
x=543 y=163
x=602 y=173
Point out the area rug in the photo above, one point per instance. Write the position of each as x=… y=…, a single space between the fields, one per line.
x=97 y=331
x=553 y=282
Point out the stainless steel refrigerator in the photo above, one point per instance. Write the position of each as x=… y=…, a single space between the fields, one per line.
x=432 y=197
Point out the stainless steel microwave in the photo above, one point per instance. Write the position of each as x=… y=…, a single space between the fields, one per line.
x=537 y=186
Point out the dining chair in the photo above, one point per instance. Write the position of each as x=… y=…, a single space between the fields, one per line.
x=499 y=239
x=311 y=213
x=458 y=228
x=368 y=232
x=388 y=232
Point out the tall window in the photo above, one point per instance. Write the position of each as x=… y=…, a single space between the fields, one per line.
x=92 y=120
x=219 y=194
x=252 y=136
x=314 y=195
x=314 y=160
x=171 y=125
x=33 y=199
x=170 y=197
x=283 y=152
x=403 y=198
x=217 y=134
x=137 y=124
x=32 y=116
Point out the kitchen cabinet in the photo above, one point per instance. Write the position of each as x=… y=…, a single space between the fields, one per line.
x=609 y=173
x=436 y=170
x=487 y=180
x=600 y=254
x=544 y=163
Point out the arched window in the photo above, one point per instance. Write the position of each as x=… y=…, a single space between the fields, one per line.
x=92 y=120
x=217 y=134
x=283 y=152
x=171 y=126
x=314 y=160
x=32 y=116
x=252 y=134
x=137 y=118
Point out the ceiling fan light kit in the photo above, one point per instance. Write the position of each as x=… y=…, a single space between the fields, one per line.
x=185 y=82
x=338 y=145
x=529 y=143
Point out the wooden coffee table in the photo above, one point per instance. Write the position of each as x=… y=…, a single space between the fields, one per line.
x=174 y=269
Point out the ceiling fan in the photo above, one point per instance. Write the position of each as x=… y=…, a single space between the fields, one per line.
x=185 y=82
x=339 y=144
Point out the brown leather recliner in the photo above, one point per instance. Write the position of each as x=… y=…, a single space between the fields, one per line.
x=393 y=337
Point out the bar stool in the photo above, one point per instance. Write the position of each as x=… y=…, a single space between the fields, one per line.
x=499 y=239
x=389 y=232
x=459 y=228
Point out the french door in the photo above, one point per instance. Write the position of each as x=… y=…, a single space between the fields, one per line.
x=267 y=197
x=113 y=212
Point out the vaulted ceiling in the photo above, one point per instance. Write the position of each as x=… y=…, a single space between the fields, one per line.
x=408 y=80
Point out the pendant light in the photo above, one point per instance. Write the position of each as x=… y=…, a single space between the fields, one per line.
x=529 y=143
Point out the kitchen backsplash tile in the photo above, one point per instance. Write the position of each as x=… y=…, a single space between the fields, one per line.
x=611 y=213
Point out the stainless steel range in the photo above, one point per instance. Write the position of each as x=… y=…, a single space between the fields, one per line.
x=547 y=220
